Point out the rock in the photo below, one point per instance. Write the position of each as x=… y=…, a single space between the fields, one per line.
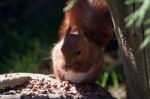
x=37 y=86
x=12 y=80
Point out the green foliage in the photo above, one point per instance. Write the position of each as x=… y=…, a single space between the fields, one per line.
x=110 y=74
x=104 y=79
x=24 y=55
x=27 y=62
x=137 y=18
x=26 y=39
x=70 y=5
x=133 y=1
x=115 y=79
x=145 y=42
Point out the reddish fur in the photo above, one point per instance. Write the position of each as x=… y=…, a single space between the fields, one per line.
x=94 y=21
x=94 y=24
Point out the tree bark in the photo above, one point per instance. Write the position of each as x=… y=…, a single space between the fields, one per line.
x=136 y=62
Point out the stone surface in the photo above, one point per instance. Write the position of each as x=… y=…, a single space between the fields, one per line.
x=37 y=86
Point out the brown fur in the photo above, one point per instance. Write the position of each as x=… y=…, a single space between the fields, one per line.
x=92 y=22
x=95 y=21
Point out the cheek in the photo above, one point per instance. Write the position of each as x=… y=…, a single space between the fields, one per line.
x=86 y=53
x=57 y=56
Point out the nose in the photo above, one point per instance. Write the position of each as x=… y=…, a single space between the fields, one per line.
x=71 y=46
x=70 y=50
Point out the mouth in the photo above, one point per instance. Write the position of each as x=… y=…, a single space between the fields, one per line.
x=71 y=66
x=67 y=67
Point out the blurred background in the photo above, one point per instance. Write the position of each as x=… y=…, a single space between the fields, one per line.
x=28 y=31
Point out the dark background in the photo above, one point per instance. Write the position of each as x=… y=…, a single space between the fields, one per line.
x=27 y=30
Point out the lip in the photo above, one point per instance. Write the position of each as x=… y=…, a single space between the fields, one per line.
x=67 y=67
x=72 y=66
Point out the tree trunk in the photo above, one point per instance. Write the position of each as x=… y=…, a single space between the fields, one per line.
x=136 y=62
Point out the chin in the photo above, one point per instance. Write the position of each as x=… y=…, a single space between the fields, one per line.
x=77 y=77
